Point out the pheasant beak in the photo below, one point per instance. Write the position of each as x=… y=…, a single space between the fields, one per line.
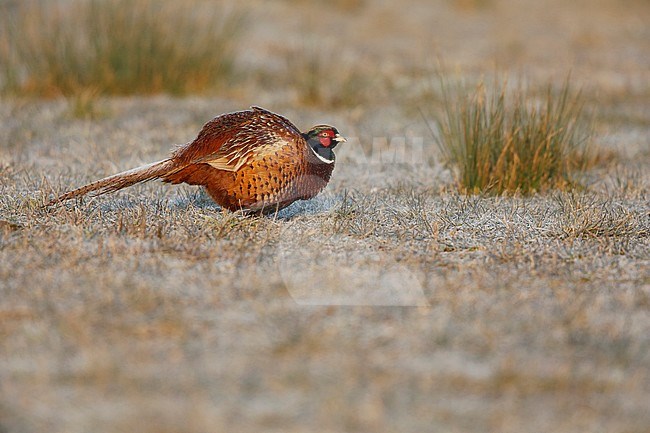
x=339 y=138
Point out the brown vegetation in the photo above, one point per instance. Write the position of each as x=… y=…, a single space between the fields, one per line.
x=391 y=302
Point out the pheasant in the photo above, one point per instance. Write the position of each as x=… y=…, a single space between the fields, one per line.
x=251 y=160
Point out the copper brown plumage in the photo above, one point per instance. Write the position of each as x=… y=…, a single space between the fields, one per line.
x=252 y=160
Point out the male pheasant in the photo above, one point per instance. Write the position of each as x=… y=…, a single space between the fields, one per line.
x=252 y=160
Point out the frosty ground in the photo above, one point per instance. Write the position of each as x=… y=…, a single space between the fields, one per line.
x=390 y=302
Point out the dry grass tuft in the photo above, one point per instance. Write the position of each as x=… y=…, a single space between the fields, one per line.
x=588 y=216
x=116 y=47
x=505 y=141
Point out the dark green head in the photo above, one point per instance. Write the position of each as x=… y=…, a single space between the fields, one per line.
x=323 y=139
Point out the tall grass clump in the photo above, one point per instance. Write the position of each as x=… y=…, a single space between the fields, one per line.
x=64 y=47
x=509 y=141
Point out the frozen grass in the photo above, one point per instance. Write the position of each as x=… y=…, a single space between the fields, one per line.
x=116 y=47
x=501 y=140
x=390 y=302
x=151 y=310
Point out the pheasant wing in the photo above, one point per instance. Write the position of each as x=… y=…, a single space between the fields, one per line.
x=230 y=141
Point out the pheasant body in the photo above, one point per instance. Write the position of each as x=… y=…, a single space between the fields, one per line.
x=252 y=160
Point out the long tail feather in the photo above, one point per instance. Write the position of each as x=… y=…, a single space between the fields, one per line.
x=122 y=180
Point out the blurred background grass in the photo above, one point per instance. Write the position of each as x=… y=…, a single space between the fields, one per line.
x=82 y=49
x=52 y=48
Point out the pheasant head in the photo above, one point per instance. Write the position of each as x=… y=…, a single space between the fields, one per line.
x=323 y=139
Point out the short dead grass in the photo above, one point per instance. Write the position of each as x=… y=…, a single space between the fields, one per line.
x=391 y=302
x=153 y=309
